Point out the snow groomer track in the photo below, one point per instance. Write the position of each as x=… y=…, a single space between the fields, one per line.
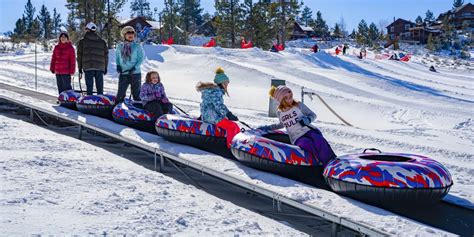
x=441 y=219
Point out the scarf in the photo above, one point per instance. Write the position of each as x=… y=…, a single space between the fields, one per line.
x=126 y=51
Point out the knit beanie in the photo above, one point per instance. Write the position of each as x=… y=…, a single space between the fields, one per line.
x=220 y=77
x=278 y=93
x=125 y=30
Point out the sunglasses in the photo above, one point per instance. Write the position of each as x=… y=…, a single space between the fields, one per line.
x=130 y=32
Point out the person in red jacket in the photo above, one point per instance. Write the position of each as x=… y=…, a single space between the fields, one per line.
x=63 y=63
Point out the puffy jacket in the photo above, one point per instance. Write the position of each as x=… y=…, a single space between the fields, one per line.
x=92 y=52
x=136 y=58
x=213 y=109
x=63 y=60
x=150 y=92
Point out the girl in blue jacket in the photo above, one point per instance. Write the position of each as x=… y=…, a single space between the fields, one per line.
x=129 y=57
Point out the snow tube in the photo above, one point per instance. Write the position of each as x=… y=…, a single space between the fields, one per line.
x=190 y=131
x=131 y=113
x=69 y=98
x=386 y=178
x=99 y=105
x=272 y=151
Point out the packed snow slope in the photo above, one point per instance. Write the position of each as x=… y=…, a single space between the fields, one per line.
x=393 y=106
x=51 y=188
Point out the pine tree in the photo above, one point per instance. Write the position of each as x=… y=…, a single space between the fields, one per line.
x=141 y=8
x=306 y=16
x=56 y=23
x=419 y=20
x=458 y=3
x=429 y=17
x=248 y=17
x=228 y=22
x=320 y=27
x=362 y=36
x=263 y=13
x=19 y=32
x=35 y=29
x=191 y=14
x=29 y=15
x=373 y=34
x=430 y=45
x=337 y=31
x=206 y=17
x=45 y=22
x=171 y=21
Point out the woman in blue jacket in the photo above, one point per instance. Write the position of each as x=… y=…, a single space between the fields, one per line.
x=129 y=57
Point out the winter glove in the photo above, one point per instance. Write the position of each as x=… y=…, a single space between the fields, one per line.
x=105 y=71
x=119 y=69
x=52 y=71
x=231 y=117
x=305 y=120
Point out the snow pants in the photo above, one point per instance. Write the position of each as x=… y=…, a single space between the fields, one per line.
x=315 y=144
x=158 y=108
x=231 y=129
x=134 y=80
x=64 y=82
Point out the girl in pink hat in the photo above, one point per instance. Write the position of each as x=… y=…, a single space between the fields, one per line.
x=296 y=118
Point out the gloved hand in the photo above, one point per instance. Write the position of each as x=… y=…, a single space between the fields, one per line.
x=231 y=117
x=52 y=71
x=105 y=71
x=305 y=120
x=157 y=95
x=119 y=69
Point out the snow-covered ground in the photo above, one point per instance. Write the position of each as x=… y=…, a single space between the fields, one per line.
x=394 y=106
x=52 y=188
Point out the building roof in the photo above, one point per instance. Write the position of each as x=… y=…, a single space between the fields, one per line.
x=398 y=20
x=305 y=28
x=456 y=10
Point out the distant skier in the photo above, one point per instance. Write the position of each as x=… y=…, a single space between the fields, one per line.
x=338 y=50
x=129 y=57
x=92 y=59
x=153 y=96
x=432 y=68
x=315 y=48
x=63 y=63
x=361 y=55
x=213 y=109
x=297 y=118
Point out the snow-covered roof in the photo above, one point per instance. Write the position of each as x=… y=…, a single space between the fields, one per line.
x=306 y=28
x=155 y=25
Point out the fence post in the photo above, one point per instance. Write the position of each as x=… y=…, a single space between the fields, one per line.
x=273 y=104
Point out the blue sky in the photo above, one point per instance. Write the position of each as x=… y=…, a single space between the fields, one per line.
x=351 y=10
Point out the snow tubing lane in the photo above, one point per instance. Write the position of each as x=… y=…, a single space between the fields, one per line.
x=388 y=178
x=192 y=132
x=69 y=99
x=273 y=152
x=132 y=114
x=99 y=105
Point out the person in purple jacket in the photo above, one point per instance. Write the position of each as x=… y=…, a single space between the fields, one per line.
x=153 y=95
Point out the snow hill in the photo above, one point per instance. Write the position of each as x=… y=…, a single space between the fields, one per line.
x=394 y=106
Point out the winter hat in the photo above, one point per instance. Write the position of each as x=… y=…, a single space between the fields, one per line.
x=220 y=77
x=127 y=29
x=91 y=26
x=65 y=34
x=278 y=93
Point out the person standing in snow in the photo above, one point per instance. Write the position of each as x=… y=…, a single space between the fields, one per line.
x=315 y=48
x=338 y=50
x=153 y=95
x=344 y=49
x=213 y=109
x=129 y=57
x=297 y=118
x=92 y=59
x=63 y=63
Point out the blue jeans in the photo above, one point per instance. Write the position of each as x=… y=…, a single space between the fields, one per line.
x=99 y=81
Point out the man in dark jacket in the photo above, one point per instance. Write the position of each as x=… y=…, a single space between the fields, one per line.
x=92 y=59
